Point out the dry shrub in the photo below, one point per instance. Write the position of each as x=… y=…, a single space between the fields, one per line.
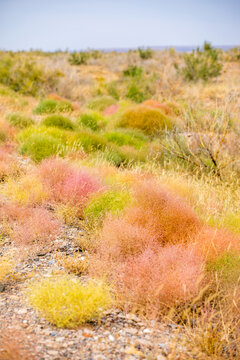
x=28 y=191
x=39 y=227
x=28 y=225
x=149 y=120
x=6 y=266
x=119 y=239
x=67 y=184
x=165 y=216
x=156 y=280
x=157 y=105
x=66 y=301
x=211 y=243
x=14 y=345
x=8 y=164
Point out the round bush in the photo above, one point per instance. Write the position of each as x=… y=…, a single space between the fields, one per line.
x=19 y=121
x=41 y=146
x=58 y=121
x=123 y=138
x=66 y=301
x=50 y=106
x=150 y=121
x=92 y=121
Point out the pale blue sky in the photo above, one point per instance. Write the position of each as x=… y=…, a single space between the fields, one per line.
x=81 y=24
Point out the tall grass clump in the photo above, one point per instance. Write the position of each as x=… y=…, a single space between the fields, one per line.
x=81 y=302
x=50 y=106
x=150 y=121
x=20 y=121
x=41 y=146
x=58 y=121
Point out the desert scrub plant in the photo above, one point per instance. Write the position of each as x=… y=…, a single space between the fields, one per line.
x=111 y=201
x=121 y=137
x=38 y=228
x=25 y=76
x=136 y=93
x=50 y=106
x=81 y=302
x=201 y=64
x=58 y=121
x=100 y=103
x=150 y=121
x=41 y=146
x=87 y=141
x=93 y=121
x=157 y=105
x=6 y=267
x=145 y=53
x=79 y=58
x=28 y=190
x=20 y=121
x=67 y=184
x=133 y=71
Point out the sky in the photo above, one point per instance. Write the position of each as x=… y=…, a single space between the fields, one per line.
x=101 y=24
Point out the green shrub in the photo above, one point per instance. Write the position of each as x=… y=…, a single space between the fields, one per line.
x=150 y=121
x=87 y=141
x=25 y=76
x=19 y=121
x=112 y=202
x=50 y=106
x=59 y=134
x=100 y=103
x=93 y=121
x=201 y=64
x=123 y=138
x=145 y=53
x=41 y=146
x=136 y=93
x=58 y=121
x=80 y=58
x=112 y=90
x=133 y=71
x=66 y=301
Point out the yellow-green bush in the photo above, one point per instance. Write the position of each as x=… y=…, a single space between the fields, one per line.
x=50 y=106
x=111 y=201
x=41 y=146
x=29 y=190
x=121 y=137
x=66 y=301
x=19 y=121
x=58 y=121
x=6 y=266
x=150 y=121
